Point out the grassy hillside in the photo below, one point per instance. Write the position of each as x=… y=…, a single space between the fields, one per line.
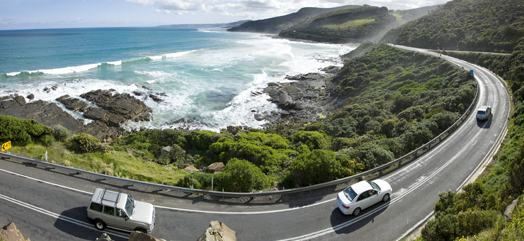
x=276 y=24
x=342 y=26
x=476 y=25
x=393 y=101
x=355 y=24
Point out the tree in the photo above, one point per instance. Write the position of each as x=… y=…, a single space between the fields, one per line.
x=241 y=176
x=314 y=167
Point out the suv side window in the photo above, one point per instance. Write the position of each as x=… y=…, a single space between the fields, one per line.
x=120 y=213
x=109 y=210
x=96 y=207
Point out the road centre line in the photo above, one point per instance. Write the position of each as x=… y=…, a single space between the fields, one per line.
x=58 y=216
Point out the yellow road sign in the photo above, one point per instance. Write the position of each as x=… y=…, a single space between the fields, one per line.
x=6 y=146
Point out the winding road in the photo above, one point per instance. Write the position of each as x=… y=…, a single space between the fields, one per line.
x=50 y=204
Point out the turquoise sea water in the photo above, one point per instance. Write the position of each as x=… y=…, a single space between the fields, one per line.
x=209 y=77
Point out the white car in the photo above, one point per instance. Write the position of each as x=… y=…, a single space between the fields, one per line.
x=362 y=195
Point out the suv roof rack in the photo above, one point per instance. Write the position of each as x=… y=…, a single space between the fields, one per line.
x=111 y=197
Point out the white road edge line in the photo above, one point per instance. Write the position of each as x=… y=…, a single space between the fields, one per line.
x=57 y=216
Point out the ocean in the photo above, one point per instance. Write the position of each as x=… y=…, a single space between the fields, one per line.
x=210 y=78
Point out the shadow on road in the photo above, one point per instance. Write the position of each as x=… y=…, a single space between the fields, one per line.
x=486 y=124
x=343 y=224
x=76 y=223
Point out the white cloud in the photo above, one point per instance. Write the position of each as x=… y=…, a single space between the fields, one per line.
x=162 y=11
x=258 y=9
x=4 y=21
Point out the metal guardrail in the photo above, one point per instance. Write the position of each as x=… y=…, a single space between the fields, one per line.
x=335 y=184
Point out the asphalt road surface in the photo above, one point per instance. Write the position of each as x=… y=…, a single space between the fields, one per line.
x=50 y=204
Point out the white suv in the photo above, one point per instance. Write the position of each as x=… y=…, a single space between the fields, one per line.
x=484 y=112
x=119 y=211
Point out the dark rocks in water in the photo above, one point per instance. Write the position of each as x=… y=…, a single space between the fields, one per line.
x=237 y=129
x=137 y=93
x=30 y=96
x=155 y=98
x=302 y=100
x=122 y=105
x=50 y=114
x=259 y=117
x=330 y=69
x=73 y=104
x=310 y=76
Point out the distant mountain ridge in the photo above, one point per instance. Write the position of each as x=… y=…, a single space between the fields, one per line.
x=276 y=24
x=210 y=25
x=335 y=25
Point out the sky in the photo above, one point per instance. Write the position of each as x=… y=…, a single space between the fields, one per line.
x=43 y=14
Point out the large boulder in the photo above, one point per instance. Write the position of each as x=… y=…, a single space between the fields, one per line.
x=124 y=105
x=191 y=169
x=215 y=167
x=104 y=237
x=165 y=151
x=73 y=104
x=10 y=233
x=218 y=232
x=139 y=236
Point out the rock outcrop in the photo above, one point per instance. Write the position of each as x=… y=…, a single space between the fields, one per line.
x=139 y=236
x=218 y=232
x=115 y=109
x=50 y=114
x=10 y=233
x=73 y=104
x=216 y=167
x=191 y=169
x=304 y=100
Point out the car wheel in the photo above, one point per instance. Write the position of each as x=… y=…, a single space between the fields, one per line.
x=385 y=198
x=356 y=212
x=100 y=225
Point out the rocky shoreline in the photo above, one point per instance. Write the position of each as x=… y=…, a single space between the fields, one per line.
x=305 y=99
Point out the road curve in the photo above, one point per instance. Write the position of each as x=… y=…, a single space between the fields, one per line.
x=51 y=205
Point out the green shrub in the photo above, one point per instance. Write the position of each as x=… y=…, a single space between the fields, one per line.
x=200 y=140
x=371 y=155
x=313 y=139
x=85 y=143
x=47 y=140
x=60 y=133
x=314 y=167
x=20 y=131
x=241 y=176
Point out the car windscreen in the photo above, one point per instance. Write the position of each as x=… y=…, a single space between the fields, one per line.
x=350 y=194
x=374 y=185
x=481 y=112
x=130 y=205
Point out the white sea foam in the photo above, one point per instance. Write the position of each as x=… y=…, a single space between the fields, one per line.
x=86 y=67
x=171 y=55
x=57 y=71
